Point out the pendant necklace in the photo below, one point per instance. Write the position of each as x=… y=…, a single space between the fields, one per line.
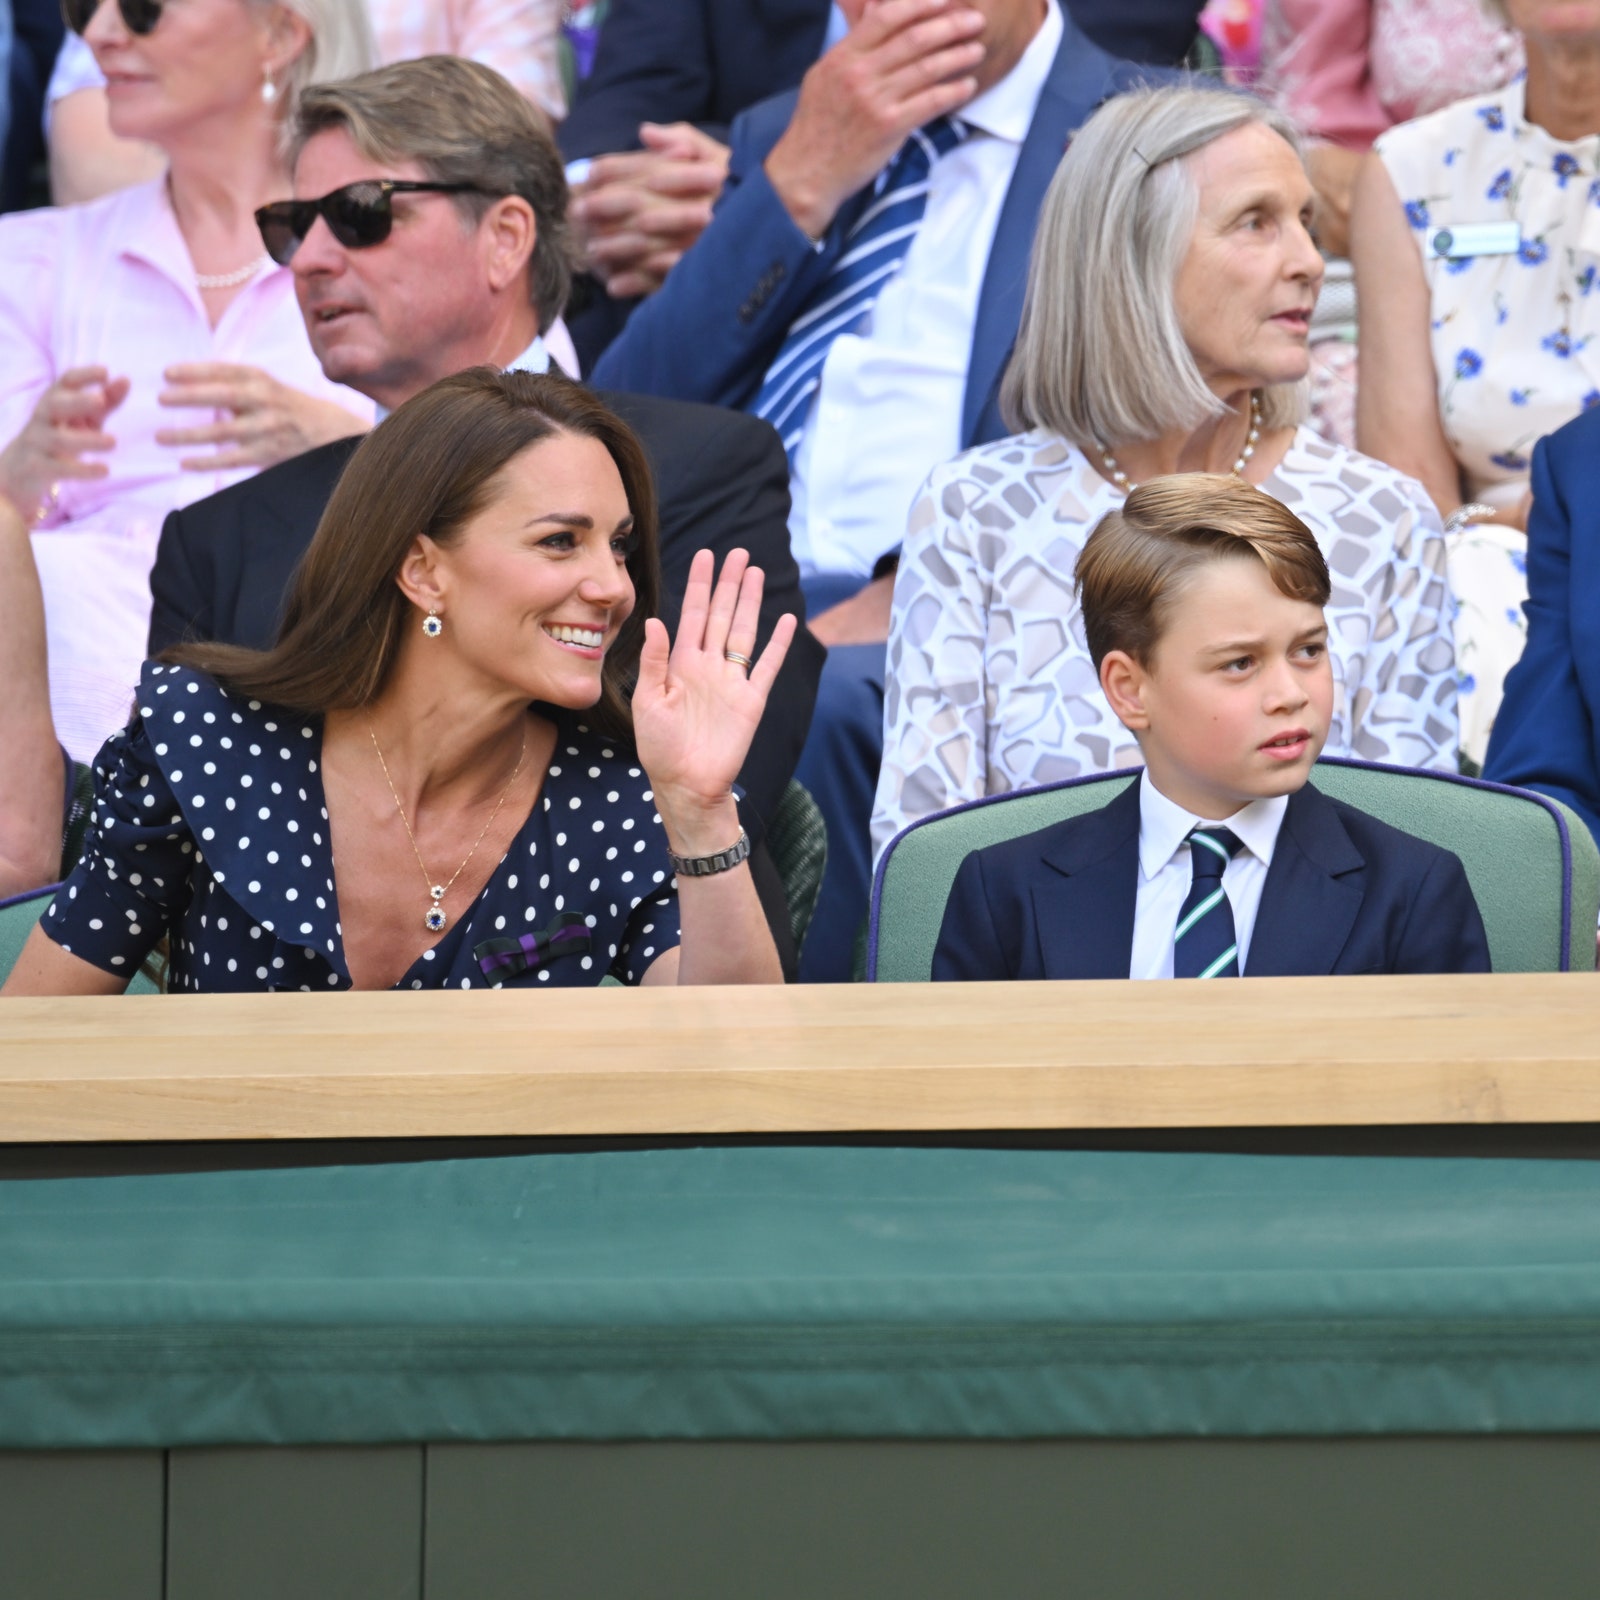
x=435 y=920
x=1120 y=478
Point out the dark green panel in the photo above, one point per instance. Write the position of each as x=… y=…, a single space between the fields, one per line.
x=293 y=1524
x=1383 y=1519
x=80 y=1525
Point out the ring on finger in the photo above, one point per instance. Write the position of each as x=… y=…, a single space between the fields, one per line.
x=734 y=656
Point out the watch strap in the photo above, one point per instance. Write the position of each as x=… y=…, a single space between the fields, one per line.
x=707 y=866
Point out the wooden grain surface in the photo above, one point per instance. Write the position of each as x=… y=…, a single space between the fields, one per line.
x=1255 y=1053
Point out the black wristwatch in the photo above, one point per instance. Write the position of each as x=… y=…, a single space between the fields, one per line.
x=706 y=866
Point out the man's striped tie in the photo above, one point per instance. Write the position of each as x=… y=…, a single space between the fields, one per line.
x=1203 y=943
x=873 y=248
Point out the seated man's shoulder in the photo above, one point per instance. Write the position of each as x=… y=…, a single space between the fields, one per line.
x=1070 y=843
x=690 y=426
x=312 y=474
x=1575 y=445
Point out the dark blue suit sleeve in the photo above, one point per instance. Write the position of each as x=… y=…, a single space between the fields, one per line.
x=1444 y=932
x=653 y=64
x=1544 y=735
x=713 y=328
x=180 y=597
x=969 y=949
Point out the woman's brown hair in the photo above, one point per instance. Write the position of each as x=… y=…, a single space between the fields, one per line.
x=429 y=469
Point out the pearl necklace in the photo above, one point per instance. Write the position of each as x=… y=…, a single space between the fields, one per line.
x=1120 y=478
x=230 y=280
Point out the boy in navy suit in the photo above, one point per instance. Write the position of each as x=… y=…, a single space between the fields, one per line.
x=1202 y=603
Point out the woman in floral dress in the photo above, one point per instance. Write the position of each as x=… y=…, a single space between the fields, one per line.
x=1477 y=246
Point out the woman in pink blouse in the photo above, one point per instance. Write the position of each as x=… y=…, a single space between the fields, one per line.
x=152 y=352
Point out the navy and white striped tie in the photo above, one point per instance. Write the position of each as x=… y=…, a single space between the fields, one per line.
x=873 y=249
x=1203 y=943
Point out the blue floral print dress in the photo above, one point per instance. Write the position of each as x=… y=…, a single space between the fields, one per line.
x=1515 y=335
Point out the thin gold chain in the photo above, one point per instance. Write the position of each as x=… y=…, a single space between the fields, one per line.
x=405 y=822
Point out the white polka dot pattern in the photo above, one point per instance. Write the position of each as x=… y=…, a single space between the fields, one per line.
x=175 y=848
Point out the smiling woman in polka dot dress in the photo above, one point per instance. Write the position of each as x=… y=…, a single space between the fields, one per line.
x=437 y=777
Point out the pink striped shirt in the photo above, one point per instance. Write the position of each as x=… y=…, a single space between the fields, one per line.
x=111 y=284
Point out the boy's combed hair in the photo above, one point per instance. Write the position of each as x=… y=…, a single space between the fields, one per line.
x=1136 y=563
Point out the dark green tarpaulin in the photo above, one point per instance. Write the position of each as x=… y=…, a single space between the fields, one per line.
x=802 y=1293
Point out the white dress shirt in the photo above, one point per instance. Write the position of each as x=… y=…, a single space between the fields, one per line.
x=1166 y=873
x=889 y=406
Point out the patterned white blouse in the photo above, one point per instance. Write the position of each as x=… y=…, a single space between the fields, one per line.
x=1515 y=352
x=990 y=685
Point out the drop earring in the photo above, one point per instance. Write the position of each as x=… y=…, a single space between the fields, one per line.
x=269 y=90
x=431 y=625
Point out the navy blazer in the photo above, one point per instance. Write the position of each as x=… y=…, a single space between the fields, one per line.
x=1544 y=734
x=1345 y=893
x=719 y=320
x=699 y=61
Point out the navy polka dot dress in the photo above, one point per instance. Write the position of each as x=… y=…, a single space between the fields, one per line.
x=210 y=826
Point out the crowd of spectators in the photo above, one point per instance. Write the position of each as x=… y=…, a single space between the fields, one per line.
x=861 y=313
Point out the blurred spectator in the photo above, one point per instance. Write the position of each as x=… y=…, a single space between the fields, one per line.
x=859 y=287
x=1345 y=71
x=33 y=774
x=1171 y=337
x=670 y=77
x=1475 y=238
x=153 y=352
x=518 y=38
x=459 y=283
x=36 y=29
x=1546 y=735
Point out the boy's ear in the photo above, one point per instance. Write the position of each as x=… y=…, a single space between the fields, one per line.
x=1124 y=681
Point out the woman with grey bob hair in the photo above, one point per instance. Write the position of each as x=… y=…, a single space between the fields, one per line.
x=1164 y=330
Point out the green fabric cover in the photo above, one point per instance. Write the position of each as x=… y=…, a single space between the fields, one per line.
x=798 y=840
x=1507 y=841
x=802 y=1293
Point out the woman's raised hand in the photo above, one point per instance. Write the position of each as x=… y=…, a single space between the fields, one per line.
x=695 y=711
x=68 y=420
x=269 y=422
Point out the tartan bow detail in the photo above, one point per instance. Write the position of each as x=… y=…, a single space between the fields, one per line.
x=568 y=935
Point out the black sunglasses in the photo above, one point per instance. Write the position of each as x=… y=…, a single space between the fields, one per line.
x=138 y=16
x=358 y=215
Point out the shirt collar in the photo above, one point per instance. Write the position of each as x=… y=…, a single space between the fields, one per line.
x=1164 y=825
x=1005 y=110
x=534 y=359
x=147 y=227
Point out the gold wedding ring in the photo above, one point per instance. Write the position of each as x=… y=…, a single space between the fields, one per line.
x=743 y=661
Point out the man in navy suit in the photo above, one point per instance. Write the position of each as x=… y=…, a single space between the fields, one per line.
x=1221 y=859
x=860 y=286
x=1544 y=734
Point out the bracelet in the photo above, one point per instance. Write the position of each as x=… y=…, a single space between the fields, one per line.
x=706 y=866
x=1465 y=516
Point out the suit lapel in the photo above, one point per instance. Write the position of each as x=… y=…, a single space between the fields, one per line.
x=1100 y=854
x=1081 y=76
x=1312 y=895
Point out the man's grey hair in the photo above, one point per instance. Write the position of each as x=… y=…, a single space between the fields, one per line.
x=461 y=122
x=1100 y=357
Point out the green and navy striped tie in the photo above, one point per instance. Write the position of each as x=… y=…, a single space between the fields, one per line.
x=1203 y=943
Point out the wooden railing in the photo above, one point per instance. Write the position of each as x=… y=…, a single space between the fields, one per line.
x=915 y=1058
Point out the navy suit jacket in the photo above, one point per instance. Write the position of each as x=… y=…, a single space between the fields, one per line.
x=1544 y=734
x=716 y=324
x=699 y=61
x=1345 y=893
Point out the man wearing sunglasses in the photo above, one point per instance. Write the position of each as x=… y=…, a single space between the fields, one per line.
x=428 y=234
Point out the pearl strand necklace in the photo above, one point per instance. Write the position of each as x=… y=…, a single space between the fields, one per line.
x=230 y=280
x=1122 y=481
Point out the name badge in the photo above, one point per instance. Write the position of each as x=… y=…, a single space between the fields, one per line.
x=1474 y=239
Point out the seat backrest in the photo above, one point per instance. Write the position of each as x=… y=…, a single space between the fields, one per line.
x=19 y=917
x=1533 y=867
x=797 y=837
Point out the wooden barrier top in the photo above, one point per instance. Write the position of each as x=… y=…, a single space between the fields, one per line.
x=1273 y=1052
